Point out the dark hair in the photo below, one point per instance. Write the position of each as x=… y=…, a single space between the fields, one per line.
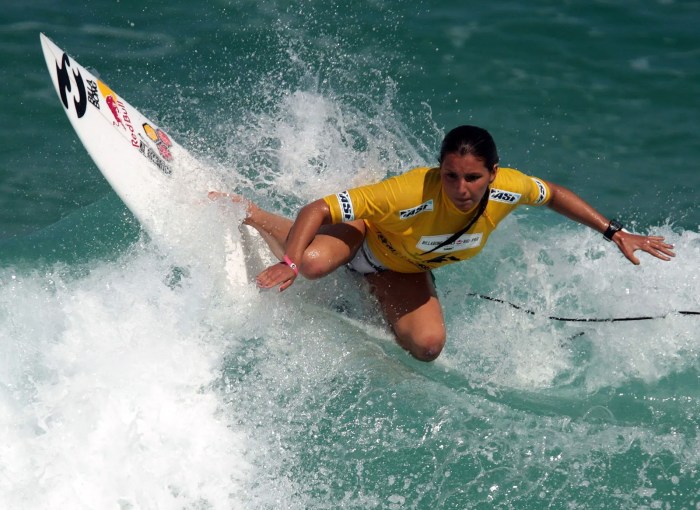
x=472 y=140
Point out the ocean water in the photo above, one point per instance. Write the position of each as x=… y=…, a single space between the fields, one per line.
x=130 y=380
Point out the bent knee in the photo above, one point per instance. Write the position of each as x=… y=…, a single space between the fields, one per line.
x=427 y=346
x=428 y=353
x=313 y=266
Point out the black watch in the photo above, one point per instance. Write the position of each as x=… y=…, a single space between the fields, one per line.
x=615 y=226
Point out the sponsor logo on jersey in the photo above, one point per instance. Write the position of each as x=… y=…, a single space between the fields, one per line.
x=543 y=190
x=410 y=213
x=508 y=197
x=465 y=242
x=346 y=208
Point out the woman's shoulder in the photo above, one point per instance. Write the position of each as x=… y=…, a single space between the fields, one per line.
x=511 y=178
x=507 y=174
x=510 y=184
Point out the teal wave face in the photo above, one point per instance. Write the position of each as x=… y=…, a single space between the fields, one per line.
x=100 y=231
x=606 y=110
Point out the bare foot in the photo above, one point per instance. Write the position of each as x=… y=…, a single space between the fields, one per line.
x=273 y=228
x=250 y=210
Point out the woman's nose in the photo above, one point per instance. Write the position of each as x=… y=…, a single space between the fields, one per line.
x=463 y=187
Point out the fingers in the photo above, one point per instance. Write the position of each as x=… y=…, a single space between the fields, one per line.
x=279 y=274
x=286 y=284
x=661 y=251
x=653 y=245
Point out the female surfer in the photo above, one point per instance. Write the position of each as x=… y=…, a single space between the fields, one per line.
x=397 y=230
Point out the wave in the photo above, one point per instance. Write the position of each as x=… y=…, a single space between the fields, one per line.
x=187 y=392
x=120 y=356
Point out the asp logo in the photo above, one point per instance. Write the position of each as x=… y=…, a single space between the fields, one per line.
x=542 y=191
x=410 y=213
x=346 y=207
x=507 y=197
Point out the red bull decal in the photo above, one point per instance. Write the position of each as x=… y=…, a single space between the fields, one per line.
x=119 y=112
x=161 y=140
x=122 y=119
x=112 y=105
x=111 y=100
x=127 y=124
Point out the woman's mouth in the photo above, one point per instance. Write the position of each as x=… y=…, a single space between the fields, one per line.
x=463 y=203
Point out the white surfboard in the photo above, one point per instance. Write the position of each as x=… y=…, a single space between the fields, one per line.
x=164 y=186
x=158 y=180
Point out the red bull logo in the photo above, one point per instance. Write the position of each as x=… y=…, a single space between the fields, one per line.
x=119 y=112
x=112 y=105
x=111 y=100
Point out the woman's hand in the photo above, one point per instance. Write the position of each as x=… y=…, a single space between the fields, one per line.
x=572 y=206
x=275 y=275
x=301 y=235
x=653 y=245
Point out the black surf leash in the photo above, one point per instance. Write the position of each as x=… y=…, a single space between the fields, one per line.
x=582 y=319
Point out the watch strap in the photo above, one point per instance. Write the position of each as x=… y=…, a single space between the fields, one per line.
x=613 y=227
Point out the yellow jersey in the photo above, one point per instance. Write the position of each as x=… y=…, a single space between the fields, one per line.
x=409 y=215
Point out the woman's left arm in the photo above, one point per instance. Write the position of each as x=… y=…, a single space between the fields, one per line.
x=572 y=206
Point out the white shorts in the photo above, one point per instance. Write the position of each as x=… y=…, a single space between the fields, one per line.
x=365 y=262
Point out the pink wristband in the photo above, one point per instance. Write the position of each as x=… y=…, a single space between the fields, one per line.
x=286 y=260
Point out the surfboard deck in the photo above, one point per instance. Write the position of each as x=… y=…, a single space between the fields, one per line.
x=152 y=174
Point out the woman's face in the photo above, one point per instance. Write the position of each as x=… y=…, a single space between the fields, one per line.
x=465 y=179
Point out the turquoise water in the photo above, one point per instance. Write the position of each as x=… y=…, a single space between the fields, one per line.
x=129 y=381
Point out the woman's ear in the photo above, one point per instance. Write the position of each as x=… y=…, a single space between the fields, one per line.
x=493 y=174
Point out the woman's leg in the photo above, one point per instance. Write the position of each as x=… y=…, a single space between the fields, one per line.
x=334 y=245
x=411 y=306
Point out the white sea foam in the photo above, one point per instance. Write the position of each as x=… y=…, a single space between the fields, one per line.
x=569 y=272
x=106 y=389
